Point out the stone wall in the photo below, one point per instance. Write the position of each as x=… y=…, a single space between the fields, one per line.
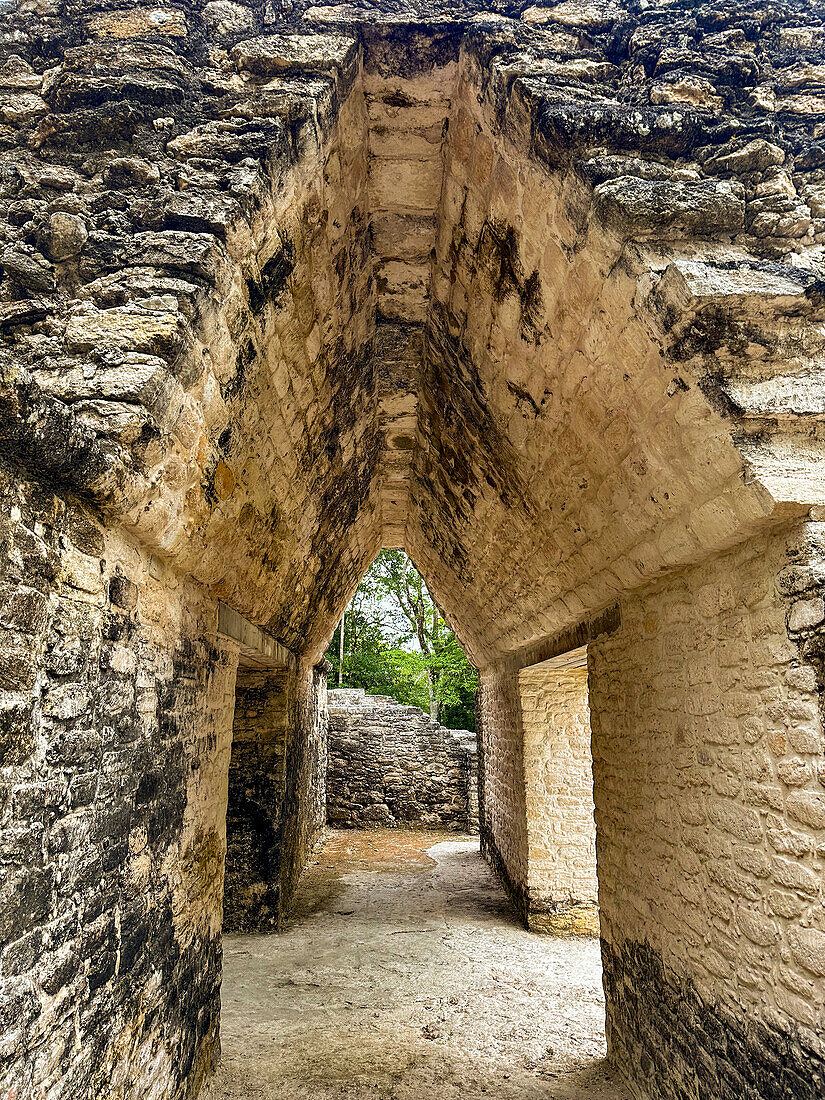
x=264 y=717
x=547 y=320
x=536 y=791
x=116 y=727
x=502 y=790
x=534 y=292
x=304 y=809
x=561 y=831
x=707 y=749
x=390 y=764
x=115 y=734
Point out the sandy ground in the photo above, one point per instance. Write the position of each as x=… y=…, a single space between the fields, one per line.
x=403 y=975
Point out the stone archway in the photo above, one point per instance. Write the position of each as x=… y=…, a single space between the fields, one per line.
x=535 y=294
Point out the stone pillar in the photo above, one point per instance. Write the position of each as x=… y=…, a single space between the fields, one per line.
x=561 y=832
x=277 y=792
x=304 y=809
x=264 y=713
x=502 y=795
x=710 y=806
x=536 y=792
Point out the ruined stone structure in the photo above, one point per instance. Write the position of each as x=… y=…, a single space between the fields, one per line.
x=534 y=291
x=390 y=764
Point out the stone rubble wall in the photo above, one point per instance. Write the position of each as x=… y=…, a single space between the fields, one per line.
x=390 y=764
x=561 y=831
x=710 y=813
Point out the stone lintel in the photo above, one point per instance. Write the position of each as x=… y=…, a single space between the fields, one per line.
x=259 y=650
x=574 y=638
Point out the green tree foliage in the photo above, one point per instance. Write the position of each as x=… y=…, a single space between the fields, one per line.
x=397 y=643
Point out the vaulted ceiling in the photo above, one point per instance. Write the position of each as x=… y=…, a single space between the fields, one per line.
x=535 y=294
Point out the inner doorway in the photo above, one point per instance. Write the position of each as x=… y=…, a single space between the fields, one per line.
x=401 y=736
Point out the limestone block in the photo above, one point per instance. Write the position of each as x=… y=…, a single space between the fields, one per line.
x=292 y=53
x=808 y=947
x=130 y=172
x=695 y=90
x=30 y=270
x=17 y=74
x=805 y=614
x=755 y=156
x=140 y=22
x=647 y=208
x=405 y=185
x=223 y=17
x=21 y=108
x=64 y=236
x=132 y=328
x=590 y=14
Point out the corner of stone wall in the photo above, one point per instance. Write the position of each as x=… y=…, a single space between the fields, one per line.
x=115 y=735
x=502 y=808
x=561 y=831
x=708 y=757
x=264 y=715
x=304 y=812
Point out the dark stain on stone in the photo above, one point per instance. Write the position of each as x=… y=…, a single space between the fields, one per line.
x=404 y=52
x=658 y=1022
x=455 y=417
x=270 y=285
x=233 y=387
x=498 y=258
x=523 y=397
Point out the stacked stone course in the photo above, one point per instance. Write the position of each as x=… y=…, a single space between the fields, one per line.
x=391 y=764
x=561 y=832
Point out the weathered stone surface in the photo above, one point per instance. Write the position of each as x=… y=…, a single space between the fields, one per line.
x=535 y=293
x=64 y=235
x=691 y=876
x=645 y=208
x=262 y=728
x=283 y=53
x=110 y=839
x=390 y=764
x=562 y=890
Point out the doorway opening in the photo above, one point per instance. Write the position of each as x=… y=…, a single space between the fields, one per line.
x=562 y=885
x=401 y=968
x=401 y=739
x=394 y=639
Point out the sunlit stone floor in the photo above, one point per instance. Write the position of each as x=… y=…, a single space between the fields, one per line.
x=403 y=975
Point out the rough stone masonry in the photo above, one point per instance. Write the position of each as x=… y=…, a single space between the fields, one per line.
x=390 y=764
x=533 y=290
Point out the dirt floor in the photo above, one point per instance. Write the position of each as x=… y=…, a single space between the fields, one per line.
x=403 y=975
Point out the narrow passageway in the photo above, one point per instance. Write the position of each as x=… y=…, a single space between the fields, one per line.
x=403 y=974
